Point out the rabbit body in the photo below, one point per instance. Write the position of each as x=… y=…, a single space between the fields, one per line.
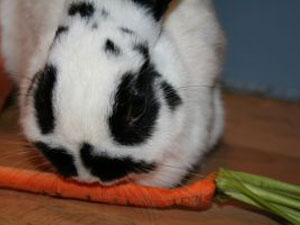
x=82 y=65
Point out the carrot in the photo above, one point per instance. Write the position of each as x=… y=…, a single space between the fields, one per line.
x=198 y=195
x=279 y=198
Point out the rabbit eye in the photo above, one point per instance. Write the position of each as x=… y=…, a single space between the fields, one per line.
x=132 y=120
x=136 y=109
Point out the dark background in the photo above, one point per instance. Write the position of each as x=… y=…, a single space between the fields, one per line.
x=263 y=46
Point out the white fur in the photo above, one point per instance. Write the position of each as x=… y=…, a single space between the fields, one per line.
x=185 y=52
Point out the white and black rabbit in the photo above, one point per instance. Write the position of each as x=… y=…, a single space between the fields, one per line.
x=115 y=90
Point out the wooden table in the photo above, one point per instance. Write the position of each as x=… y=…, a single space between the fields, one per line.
x=262 y=136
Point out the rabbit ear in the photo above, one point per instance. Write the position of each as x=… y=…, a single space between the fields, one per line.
x=157 y=7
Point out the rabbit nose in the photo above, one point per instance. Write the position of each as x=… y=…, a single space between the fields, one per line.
x=107 y=168
x=60 y=159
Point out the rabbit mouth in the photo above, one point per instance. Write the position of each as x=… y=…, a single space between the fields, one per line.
x=96 y=168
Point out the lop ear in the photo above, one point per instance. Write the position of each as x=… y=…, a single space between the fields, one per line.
x=157 y=7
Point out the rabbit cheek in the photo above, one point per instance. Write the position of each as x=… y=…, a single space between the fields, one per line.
x=61 y=160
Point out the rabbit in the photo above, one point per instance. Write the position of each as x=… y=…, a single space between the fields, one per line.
x=117 y=90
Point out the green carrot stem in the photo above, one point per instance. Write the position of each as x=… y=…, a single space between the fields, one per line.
x=265 y=204
x=274 y=197
x=243 y=198
x=289 y=195
x=226 y=181
x=262 y=181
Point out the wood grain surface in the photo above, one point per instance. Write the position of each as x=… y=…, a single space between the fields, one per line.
x=5 y=83
x=262 y=136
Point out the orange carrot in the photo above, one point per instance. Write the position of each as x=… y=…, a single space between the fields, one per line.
x=198 y=195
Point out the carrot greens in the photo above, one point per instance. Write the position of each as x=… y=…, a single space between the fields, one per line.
x=279 y=198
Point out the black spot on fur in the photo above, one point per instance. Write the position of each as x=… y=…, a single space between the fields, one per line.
x=142 y=49
x=126 y=30
x=104 y=13
x=62 y=161
x=156 y=7
x=43 y=99
x=171 y=96
x=85 y=9
x=136 y=107
x=109 y=169
x=111 y=48
x=95 y=25
x=60 y=30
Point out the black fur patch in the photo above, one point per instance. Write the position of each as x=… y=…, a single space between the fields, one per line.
x=142 y=49
x=62 y=161
x=109 y=169
x=136 y=107
x=95 y=25
x=60 y=30
x=171 y=96
x=104 y=13
x=156 y=7
x=111 y=48
x=85 y=9
x=126 y=30
x=43 y=97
